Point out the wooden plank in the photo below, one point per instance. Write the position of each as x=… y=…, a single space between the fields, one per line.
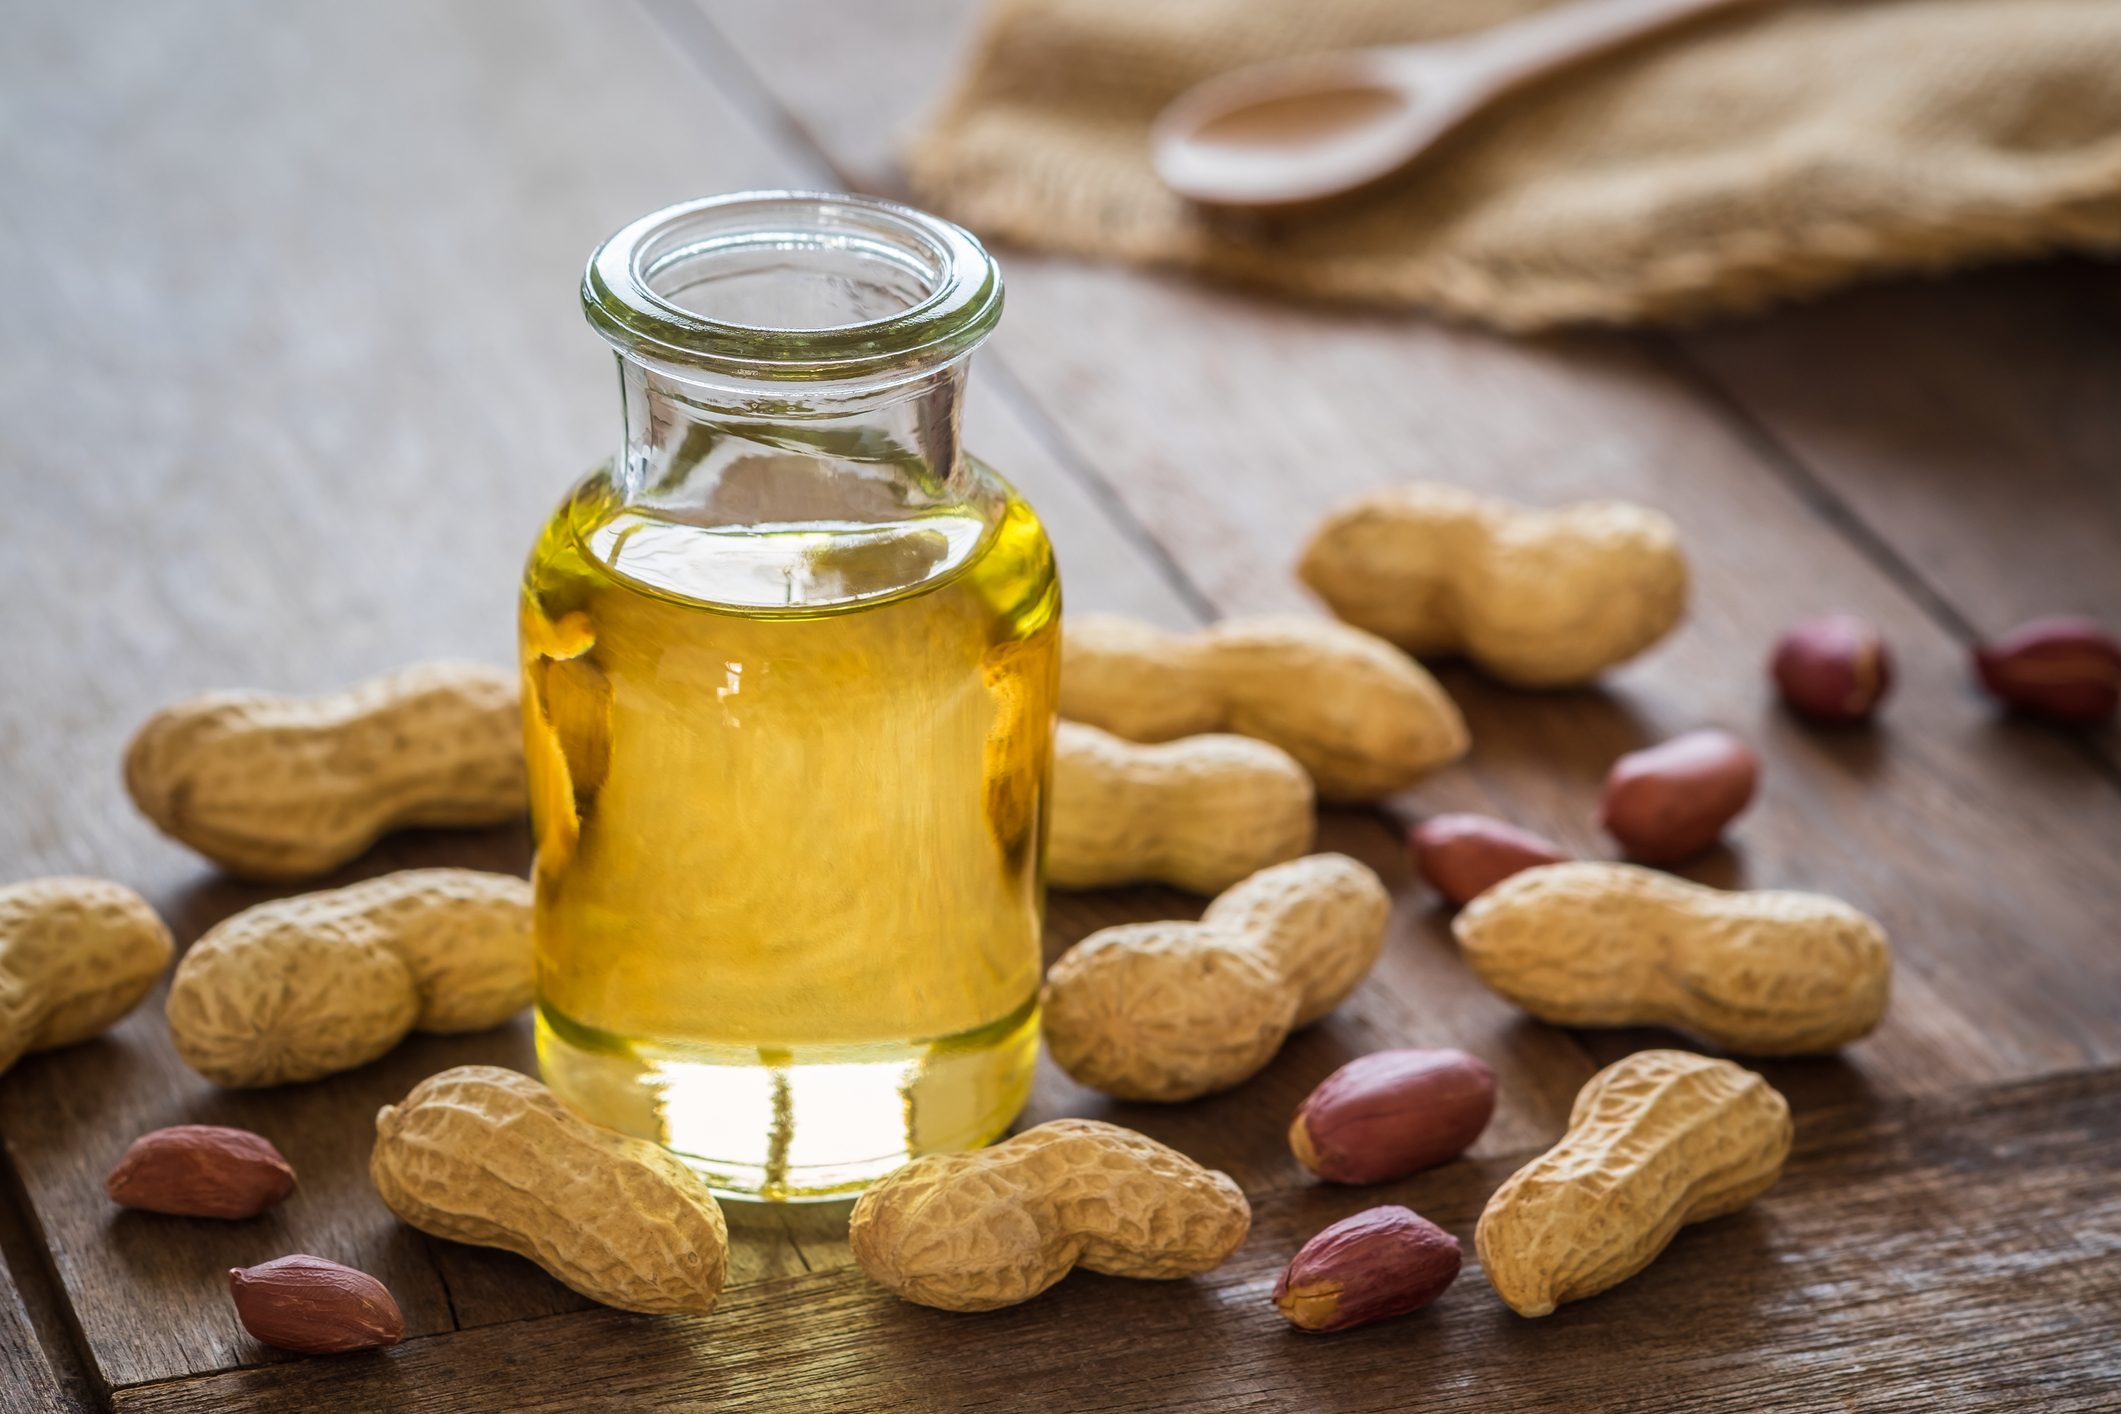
x=1971 y=425
x=250 y=452
x=1969 y=430
x=1947 y=1253
x=1227 y=424
x=28 y=1383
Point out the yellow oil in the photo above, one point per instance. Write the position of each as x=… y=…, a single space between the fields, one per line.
x=789 y=789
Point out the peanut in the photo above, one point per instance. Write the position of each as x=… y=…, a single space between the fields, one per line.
x=1536 y=598
x=280 y=788
x=1762 y=973
x=75 y=955
x=1170 y=1011
x=1655 y=1142
x=301 y=987
x=487 y=1156
x=1375 y=1265
x=1202 y=812
x=990 y=1228
x=1462 y=855
x=2065 y=669
x=1392 y=1113
x=1362 y=719
x=201 y=1171
x=306 y=1304
x=1671 y=801
x=1834 y=668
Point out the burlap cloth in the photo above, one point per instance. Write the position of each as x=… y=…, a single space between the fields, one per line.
x=1761 y=155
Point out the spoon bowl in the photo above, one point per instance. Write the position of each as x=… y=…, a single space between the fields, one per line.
x=1293 y=133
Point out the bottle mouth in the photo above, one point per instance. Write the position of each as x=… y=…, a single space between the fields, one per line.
x=787 y=286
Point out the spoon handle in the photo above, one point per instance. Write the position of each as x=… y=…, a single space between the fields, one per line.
x=1510 y=54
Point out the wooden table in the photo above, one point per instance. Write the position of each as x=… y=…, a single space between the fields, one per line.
x=293 y=368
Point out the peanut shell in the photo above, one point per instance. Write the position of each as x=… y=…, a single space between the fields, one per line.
x=1655 y=1141
x=275 y=787
x=76 y=954
x=301 y=987
x=1764 y=973
x=991 y=1228
x=1538 y=598
x=1200 y=813
x=1170 y=1011
x=487 y=1156
x=1362 y=719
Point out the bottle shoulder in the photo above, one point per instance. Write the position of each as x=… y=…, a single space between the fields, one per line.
x=990 y=536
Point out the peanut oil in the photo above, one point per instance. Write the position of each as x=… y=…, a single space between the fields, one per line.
x=788 y=787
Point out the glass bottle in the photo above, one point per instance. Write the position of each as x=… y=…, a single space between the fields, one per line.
x=790 y=666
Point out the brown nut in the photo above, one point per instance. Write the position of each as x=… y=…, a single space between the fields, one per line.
x=2063 y=668
x=1833 y=668
x=307 y=1304
x=1671 y=801
x=1462 y=855
x=1377 y=1264
x=201 y=1171
x=1387 y=1115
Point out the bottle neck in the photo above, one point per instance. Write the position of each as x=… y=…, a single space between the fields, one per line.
x=848 y=454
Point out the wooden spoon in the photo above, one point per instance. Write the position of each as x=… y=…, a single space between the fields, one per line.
x=1296 y=131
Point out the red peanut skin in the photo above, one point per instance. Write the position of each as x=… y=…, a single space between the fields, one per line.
x=1392 y=1113
x=1465 y=855
x=201 y=1171
x=1834 y=668
x=1670 y=802
x=2063 y=668
x=1377 y=1264
x=315 y=1307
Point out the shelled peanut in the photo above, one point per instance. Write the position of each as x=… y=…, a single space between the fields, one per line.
x=1462 y=855
x=76 y=955
x=487 y=1156
x=991 y=1228
x=1768 y=972
x=1655 y=1141
x=301 y=987
x=1538 y=598
x=1671 y=801
x=1377 y=1264
x=201 y=1171
x=2063 y=668
x=276 y=787
x=1170 y=1011
x=1361 y=718
x=314 y=1307
x=1834 y=668
x=1201 y=812
x=1392 y=1113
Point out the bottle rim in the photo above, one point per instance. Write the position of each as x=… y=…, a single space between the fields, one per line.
x=623 y=288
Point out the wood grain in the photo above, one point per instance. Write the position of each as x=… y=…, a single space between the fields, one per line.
x=1980 y=1227
x=28 y=1383
x=1969 y=432
x=1972 y=424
